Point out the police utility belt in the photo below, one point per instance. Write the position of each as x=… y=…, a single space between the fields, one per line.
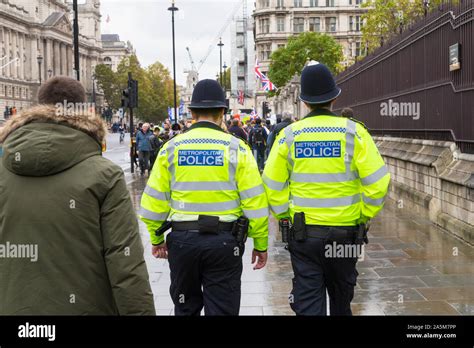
x=209 y=225
x=299 y=231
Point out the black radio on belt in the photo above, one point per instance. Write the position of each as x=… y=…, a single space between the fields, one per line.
x=298 y=229
x=241 y=229
x=285 y=230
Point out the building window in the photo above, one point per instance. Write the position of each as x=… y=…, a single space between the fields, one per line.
x=264 y=25
x=280 y=24
x=264 y=3
x=298 y=3
x=280 y=3
x=281 y=46
x=298 y=25
x=330 y=3
x=267 y=51
x=355 y=2
x=313 y=3
x=331 y=24
x=359 y=49
x=315 y=24
x=108 y=61
x=355 y=23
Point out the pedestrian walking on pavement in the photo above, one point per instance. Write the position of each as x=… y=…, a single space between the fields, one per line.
x=237 y=131
x=276 y=131
x=71 y=205
x=156 y=144
x=144 y=147
x=330 y=170
x=258 y=137
x=207 y=188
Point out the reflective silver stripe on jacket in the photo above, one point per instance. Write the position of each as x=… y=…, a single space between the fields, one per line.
x=274 y=185
x=374 y=177
x=256 y=213
x=280 y=209
x=203 y=186
x=324 y=177
x=326 y=202
x=205 y=207
x=147 y=214
x=162 y=196
x=372 y=201
x=252 y=192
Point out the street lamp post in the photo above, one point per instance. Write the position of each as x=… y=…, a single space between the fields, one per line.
x=40 y=61
x=76 y=39
x=225 y=77
x=173 y=9
x=220 y=44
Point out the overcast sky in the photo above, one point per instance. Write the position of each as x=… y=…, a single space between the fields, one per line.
x=147 y=24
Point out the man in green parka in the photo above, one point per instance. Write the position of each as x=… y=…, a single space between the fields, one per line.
x=69 y=239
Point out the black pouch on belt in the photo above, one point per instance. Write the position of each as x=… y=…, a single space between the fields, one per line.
x=299 y=227
x=208 y=224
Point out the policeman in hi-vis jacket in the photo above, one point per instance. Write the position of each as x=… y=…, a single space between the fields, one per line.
x=326 y=176
x=207 y=187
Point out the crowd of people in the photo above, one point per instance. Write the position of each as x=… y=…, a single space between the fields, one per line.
x=149 y=138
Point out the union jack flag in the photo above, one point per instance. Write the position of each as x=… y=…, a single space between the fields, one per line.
x=241 y=97
x=253 y=113
x=267 y=85
x=258 y=73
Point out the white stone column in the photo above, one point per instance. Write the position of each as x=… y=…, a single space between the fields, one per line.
x=23 y=62
x=16 y=53
x=48 y=62
x=63 y=60
x=32 y=58
x=57 y=59
x=6 y=71
x=69 y=63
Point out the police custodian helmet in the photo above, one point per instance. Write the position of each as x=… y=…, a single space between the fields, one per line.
x=208 y=94
x=317 y=84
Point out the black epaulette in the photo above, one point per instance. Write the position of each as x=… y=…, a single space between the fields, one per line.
x=359 y=122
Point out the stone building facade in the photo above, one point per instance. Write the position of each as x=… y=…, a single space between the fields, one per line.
x=115 y=50
x=277 y=20
x=36 y=43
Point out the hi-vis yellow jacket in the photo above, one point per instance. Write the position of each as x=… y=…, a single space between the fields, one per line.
x=327 y=167
x=206 y=171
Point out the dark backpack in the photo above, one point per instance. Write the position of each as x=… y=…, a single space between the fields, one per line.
x=155 y=142
x=258 y=137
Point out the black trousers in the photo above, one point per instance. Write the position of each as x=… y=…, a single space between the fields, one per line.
x=144 y=160
x=316 y=271
x=205 y=272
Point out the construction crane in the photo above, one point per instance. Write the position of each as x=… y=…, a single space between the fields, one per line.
x=193 y=66
x=218 y=36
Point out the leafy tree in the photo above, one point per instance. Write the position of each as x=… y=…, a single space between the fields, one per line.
x=290 y=60
x=161 y=91
x=107 y=82
x=385 y=18
x=155 y=87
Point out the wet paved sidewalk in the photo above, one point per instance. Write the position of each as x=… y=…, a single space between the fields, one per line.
x=410 y=267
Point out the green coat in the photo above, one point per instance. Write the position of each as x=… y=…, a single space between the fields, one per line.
x=58 y=193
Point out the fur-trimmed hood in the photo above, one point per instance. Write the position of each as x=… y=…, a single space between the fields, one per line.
x=39 y=142
x=92 y=125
